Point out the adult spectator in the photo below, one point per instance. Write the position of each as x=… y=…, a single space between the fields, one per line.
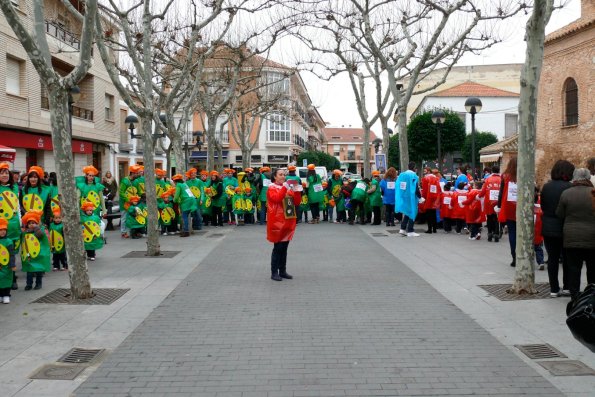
x=111 y=186
x=577 y=210
x=506 y=208
x=461 y=176
x=407 y=198
x=387 y=186
x=280 y=230
x=551 y=229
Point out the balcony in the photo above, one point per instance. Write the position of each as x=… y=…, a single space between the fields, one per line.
x=125 y=147
x=54 y=29
x=77 y=112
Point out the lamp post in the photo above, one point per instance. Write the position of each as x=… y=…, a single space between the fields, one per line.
x=73 y=96
x=473 y=106
x=132 y=122
x=197 y=144
x=438 y=118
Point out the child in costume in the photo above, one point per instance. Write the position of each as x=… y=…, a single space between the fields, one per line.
x=7 y=264
x=91 y=230
x=445 y=207
x=249 y=199
x=167 y=216
x=35 y=249
x=304 y=206
x=57 y=246
x=136 y=218
x=473 y=211
x=238 y=205
x=324 y=205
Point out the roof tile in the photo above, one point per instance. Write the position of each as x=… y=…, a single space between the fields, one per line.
x=471 y=89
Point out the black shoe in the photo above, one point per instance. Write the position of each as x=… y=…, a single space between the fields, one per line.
x=28 y=288
x=513 y=264
x=428 y=232
x=37 y=286
x=490 y=237
x=286 y=275
x=15 y=286
x=276 y=277
x=496 y=239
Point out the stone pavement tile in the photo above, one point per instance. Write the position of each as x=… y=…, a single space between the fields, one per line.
x=354 y=321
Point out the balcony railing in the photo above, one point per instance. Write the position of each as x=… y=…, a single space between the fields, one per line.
x=78 y=112
x=55 y=30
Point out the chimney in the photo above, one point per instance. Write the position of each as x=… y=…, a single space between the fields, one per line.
x=587 y=9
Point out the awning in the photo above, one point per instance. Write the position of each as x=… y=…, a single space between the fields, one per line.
x=490 y=158
x=40 y=142
x=7 y=154
x=202 y=155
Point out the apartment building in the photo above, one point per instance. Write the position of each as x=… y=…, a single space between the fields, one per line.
x=347 y=145
x=24 y=115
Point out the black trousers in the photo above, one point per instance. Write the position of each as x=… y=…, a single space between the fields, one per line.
x=217 y=216
x=315 y=210
x=459 y=224
x=493 y=225
x=431 y=219
x=279 y=258
x=59 y=259
x=342 y=216
x=355 y=204
x=377 y=216
x=90 y=253
x=575 y=258
x=4 y=292
x=390 y=214
x=554 y=248
x=447 y=222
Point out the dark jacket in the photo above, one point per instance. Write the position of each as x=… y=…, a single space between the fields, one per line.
x=576 y=209
x=550 y=197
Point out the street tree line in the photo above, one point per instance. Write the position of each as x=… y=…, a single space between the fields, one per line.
x=175 y=57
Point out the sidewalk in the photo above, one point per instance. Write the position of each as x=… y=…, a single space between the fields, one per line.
x=37 y=334
x=355 y=321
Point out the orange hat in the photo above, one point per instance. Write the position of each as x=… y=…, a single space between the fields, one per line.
x=190 y=172
x=178 y=177
x=141 y=167
x=57 y=212
x=4 y=166
x=304 y=184
x=166 y=194
x=249 y=169
x=90 y=170
x=37 y=169
x=204 y=172
x=291 y=168
x=238 y=189
x=265 y=169
x=375 y=172
x=171 y=191
x=134 y=168
x=337 y=172
x=134 y=198
x=34 y=215
x=311 y=166
x=226 y=171
x=248 y=189
x=87 y=205
x=214 y=173
x=160 y=172
x=3 y=224
x=324 y=183
x=231 y=171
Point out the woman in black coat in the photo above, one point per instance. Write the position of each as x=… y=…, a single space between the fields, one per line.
x=552 y=225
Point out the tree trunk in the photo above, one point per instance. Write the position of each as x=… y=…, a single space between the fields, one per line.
x=403 y=142
x=153 y=248
x=524 y=282
x=80 y=286
x=385 y=135
x=246 y=157
x=366 y=152
x=176 y=146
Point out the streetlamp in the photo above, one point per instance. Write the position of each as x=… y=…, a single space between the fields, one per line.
x=198 y=144
x=438 y=118
x=73 y=96
x=132 y=122
x=473 y=106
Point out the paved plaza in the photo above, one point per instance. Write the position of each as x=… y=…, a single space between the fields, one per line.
x=365 y=316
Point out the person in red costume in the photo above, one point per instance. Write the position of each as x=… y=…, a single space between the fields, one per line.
x=279 y=229
x=473 y=212
x=430 y=190
x=490 y=192
x=506 y=208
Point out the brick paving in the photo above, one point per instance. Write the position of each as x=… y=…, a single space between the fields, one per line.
x=355 y=321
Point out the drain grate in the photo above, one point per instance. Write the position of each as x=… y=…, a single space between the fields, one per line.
x=143 y=254
x=199 y=232
x=101 y=296
x=78 y=355
x=215 y=235
x=58 y=372
x=567 y=368
x=379 y=235
x=393 y=231
x=499 y=291
x=539 y=351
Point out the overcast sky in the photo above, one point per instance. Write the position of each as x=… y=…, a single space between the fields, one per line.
x=335 y=100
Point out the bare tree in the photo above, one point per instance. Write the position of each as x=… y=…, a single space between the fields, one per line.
x=524 y=281
x=36 y=45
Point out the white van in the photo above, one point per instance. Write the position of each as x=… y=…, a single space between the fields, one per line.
x=303 y=172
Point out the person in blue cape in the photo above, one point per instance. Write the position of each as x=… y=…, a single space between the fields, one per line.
x=407 y=197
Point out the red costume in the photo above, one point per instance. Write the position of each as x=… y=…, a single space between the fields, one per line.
x=508 y=200
x=430 y=190
x=537 y=214
x=278 y=228
x=490 y=192
x=446 y=199
x=458 y=208
x=473 y=213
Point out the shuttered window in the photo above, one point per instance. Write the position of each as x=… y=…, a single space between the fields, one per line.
x=13 y=76
x=511 y=122
x=571 y=102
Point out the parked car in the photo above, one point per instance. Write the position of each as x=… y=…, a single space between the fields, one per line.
x=303 y=171
x=353 y=177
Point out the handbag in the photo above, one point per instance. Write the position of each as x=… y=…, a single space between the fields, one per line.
x=289 y=208
x=581 y=318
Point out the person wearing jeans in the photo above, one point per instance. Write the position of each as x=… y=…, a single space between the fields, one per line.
x=387 y=187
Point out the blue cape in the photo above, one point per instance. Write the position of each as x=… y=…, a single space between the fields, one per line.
x=405 y=198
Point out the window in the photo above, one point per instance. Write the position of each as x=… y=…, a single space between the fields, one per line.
x=570 y=102
x=336 y=150
x=277 y=83
x=13 y=76
x=335 y=138
x=279 y=127
x=511 y=122
x=123 y=126
x=350 y=152
x=109 y=107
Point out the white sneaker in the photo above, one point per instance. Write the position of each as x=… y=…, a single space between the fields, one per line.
x=6 y=300
x=554 y=294
x=471 y=238
x=565 y=292
x=403 y=232
x=412 y=234
x=165 y=233
x=541 y=267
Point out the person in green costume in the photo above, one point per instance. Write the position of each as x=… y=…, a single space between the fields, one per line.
x=186 y=202
x=91 y=230
x=238 y=203
x=375 y=196
x=196 y=186
x=229 y=185
x=249 y=183
x=315 y=192
x=35 y=249
x=205 y=199
x=57 y=242
x=324 y=205
x=139 y=183
x=263 y=185
x=126 y=191
x=218 y=198
x=91 y=190
x=9 y=204
x=136 y=219
x=167 y=215
x=335 y=193
x=35 y=195
x=304 y=206
x=297 y=193
x=358 y=200
x=7 y=262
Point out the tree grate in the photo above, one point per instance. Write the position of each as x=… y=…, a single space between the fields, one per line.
x=379 y=235
x=540 y=351
x=567 y=368
x=143 y=254
x=215 y=235
x=499 y=291
x=101 y=296
x=58 y=372
x=78 y=355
